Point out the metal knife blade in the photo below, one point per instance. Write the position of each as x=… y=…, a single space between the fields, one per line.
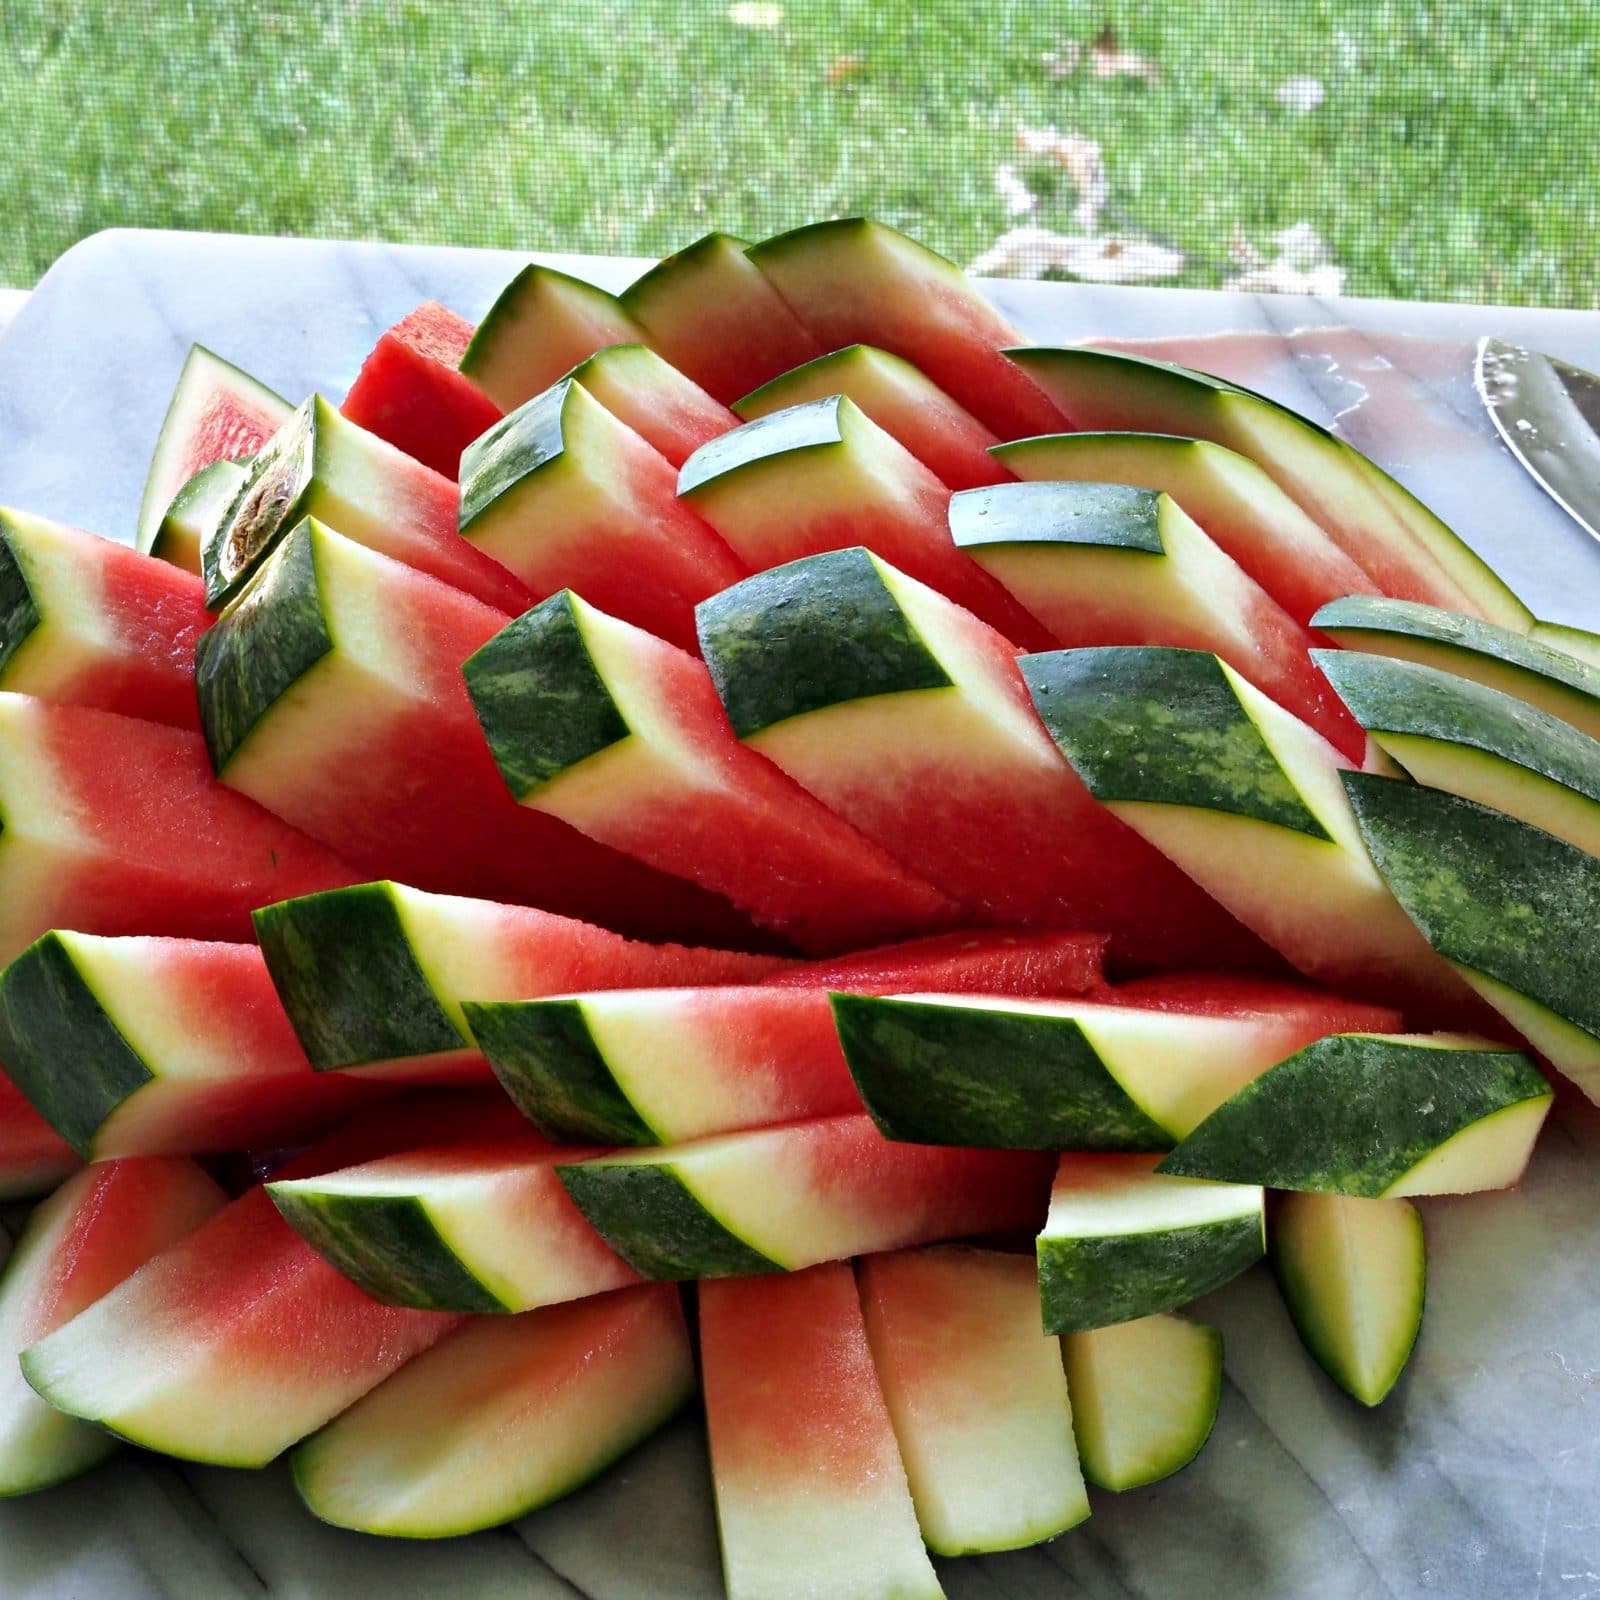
x=1548 y=413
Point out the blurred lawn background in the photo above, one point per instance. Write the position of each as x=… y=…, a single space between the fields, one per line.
x=1439 y=150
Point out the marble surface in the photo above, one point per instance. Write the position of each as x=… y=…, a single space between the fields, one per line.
x=1478 y=1480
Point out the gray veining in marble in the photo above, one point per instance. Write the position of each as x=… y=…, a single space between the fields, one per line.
x=1478 y=1480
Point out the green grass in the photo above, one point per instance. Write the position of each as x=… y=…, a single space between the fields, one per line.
x=1451 y=157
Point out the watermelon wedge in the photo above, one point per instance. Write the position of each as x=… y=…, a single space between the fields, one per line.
x=669 y=411
x=811 y=1492
x=139 y=1046
x=712 y=314
x=93 y=623
x=853 y=281
x=34 y=1158
x=947 y=439
x=326 y=679
x=410 y=392
x=374 y=976
x=886 y=701
x=116 y=825
x=94 y=1231
x=568 y=496
x=501 y=1417
x=197 y=511
x=822 y=477
x=217 y=413
x=320 y=464
x=778 y=1199
x=621 y=736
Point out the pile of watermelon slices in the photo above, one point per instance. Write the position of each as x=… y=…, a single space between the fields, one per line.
x=758 y=838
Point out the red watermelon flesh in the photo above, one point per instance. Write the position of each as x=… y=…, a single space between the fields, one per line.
x=33 y=1156
x=116 y=825
x=410 y=392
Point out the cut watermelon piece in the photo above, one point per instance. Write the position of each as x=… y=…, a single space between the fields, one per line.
x=93 y=623
x=197 y=511
x=853 y=281
x=239 y=1340
x=320 y=464
x=777 y=1199
x=1047 y=963
x=947 y=439
x=1387 y=532
x=331 y=692
x=470 y=1227
x=1579 y=642
x=888 y=702
x=622 y=736
x=139 y=1046
x=823 y=477
x=978 y=1397
x=568 y=496
x=503 y=1416
x=1302 y=1009
x=712 y=314
x=542 y=325
x=1241 y=509
x=116 y=825
x=670 y=412
x=811 y=1492
x=217 y=413
x=1108 y=564
x=34 y=1158
x=374 y=976
x=99 y=1227
x=410 y=393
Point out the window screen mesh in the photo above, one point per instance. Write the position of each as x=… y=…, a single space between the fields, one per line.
x=1430 y=150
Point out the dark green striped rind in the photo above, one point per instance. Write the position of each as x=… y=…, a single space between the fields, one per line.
x=60 y=1047
x=513 y=305
x=1114 y=515
x=858 y=231
x=531 y=437
x=386 y=1245
x=349 y=979
x=548 y=1063
x=273 y=635
x=1386 y=695
x=635 y=299
x=816 y=425
x=1352 y=1113
x=1150 y=723
x=648 y=1215
x=933 y=1074
x=1092 y=1282
x=19 y=612
x=541 y=701
x=808 y=635
x=1489 y=892
x=1095 y=366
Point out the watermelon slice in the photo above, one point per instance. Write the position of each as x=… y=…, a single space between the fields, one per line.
x=542 y=325
x=217 y=413
x=34 y=1158
x=116 y=825
x=92 y=623
x=485 y=1226
x=670 y=412
x=409 y=392
x=503 y=1416
x=1109 y=564
x=197 y=511
x=81 y=1243
x=811 y=1492
x=239 y=1340
x=947 y=439
x=778 y=1199
x=1241 y=509
x=139 y=1046
x=320 y=687
x=853 y=281
x=823 y=477
x=887 y=702
x=712 y=314
x=320 y=464
x=568 y=496
x=977 y=1394
x=622 y=736
x=374 y=976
